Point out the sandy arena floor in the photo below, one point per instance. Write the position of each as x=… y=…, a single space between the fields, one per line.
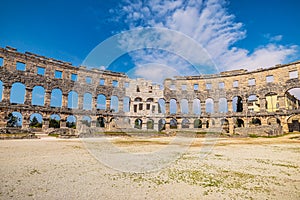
x=235 y=168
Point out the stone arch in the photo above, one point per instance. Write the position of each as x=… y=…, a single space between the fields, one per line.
x=56 y=98
x=100 y=122
x=150 y=124
x=72 y=100
x=255 y=121
x=237 y=104
x=38 y=96
x=86 y=120
x=161 y=106
x=71 y=121
x=184 y=106
x=173 y=123
x=138 y=99
x=126 y=104
x=101 y=102
x=185 y=123
x=239 y=122
x=161 y=125
x=273 y=121
x=209 y=105
x=114 y=104
x=87 y=101
x=173 y=106
x=225 y=125
x=17 y=93
x=14 y=119
x=294 y=123
x=196 y=106
x=138 y=123
x=54 y=121
x=36 y=120
x=292 y=98
x=197 y=123
x=223 y=105
x=253 y=103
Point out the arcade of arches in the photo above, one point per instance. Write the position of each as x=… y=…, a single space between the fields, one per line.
x=45 y=93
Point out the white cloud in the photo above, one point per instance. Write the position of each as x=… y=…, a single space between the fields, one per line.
x=210 y=24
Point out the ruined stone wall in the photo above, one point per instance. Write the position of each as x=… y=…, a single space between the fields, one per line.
x=143 y=98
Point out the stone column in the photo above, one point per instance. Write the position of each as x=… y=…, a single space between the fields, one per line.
x=47 y=98
x=262 y=104
x=229 y=105
x=245 y=106
x=108 y=104
x=190 y=106
x=216 y=106
x=65 y=101
x=120 y=106
x=203 y=111
x=80 y=101
x=281 y=100
x=167 y=108
x=6 y=93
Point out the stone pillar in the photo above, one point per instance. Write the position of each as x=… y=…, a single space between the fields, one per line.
x=262 y=104
x=190 y=106
x=229 y=105
x=47 y=98
x=6 y=93
x=167 y=108
x=216 y=106
x=231 y=124
x=65 y=101
x=108 y=104
x=45 y=124
x=281 y=100
x=178 y=107
x=80 y=101
x=245 y=106
x=203 y=111
x=120 y=106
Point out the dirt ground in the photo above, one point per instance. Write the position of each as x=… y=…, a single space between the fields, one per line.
x=218 y=168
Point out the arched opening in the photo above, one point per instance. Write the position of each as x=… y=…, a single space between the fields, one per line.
x=225 y=125
x=100 y=122
x=161 y=106
x=239 y=123
x=72 y=100
x=253 y=103
x=255 y=121
x=237 y=104
x=196 y=106
x=294 y=123
x=273 y=121
x=197 y=123
x=272 y=104
x=185 y=123
x=38 y=96
x=223 y=105
x=292 y=99
x=36 y=120
x=150 y=124
x=114 y=104
x=87 y=101
x=173 y=106
x=14 y=119
x=138 y=99
x=56 y=98
x=126 y=104
x=184 y=105
x=17 y=93
x=138 y=123
x=161 y=125
x=71 y=122
x=54 y=121
x=173 y=123
x=86 y=120
x=1 y=90
x=209 y=105
x=101 y=102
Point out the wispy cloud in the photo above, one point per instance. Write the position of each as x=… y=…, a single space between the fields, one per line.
x=207 y=22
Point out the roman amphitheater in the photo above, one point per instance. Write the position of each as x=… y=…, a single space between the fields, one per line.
x=235 y=102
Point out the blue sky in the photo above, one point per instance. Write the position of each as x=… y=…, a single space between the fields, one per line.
x=236 y=34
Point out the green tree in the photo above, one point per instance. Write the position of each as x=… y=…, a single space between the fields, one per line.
x=34 y=122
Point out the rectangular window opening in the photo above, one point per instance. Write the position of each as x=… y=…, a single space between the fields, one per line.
x=58 y=74
x=235 y=84
x=20 y=66
x=102 y=82
x=293 y=74
x=270 y=79
x=115 y=83
x=74 y=77
x=40 y=70
x=88 y=80
x=251 y=82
